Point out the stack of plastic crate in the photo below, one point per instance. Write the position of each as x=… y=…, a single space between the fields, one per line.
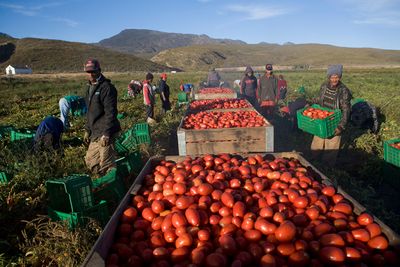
x=71 y=200
x=130 y=139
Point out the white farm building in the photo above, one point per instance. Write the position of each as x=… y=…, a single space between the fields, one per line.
x=12 y=70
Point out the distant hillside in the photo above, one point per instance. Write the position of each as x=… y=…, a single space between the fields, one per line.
x=151 y=42
x=44 y=55
x=203 y=57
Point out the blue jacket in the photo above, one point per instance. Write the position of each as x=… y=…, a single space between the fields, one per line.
x=51 y=125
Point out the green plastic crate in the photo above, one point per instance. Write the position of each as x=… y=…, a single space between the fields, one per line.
x=126 y=142
x=70 y=194
x=130 y=163
x=4 y=178
x=141 y=128
x=323 y=128
x=21 y=134
x=131 y=138
x=110 y=187
x=391 y=154
x=182 y=97
x=98 y=212
x=5 y=130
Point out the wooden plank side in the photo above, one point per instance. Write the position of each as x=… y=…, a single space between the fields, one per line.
x=256 y=133
x=199 y=96
x=225 y=147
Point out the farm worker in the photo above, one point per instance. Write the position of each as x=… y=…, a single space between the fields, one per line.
x=236 y=84
x=248 y=85
x=266 y=92
x=134 y=88
x=187 y=87
x=365 y=116
x=102 y=125
x=75 y=104
x=164 y=93
x=213 y=79
x=148 y=98
x=48 y=134
x=282 y=88
x=334 y=95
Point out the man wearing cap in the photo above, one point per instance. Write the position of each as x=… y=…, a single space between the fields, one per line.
x=164 y=93
x=102 y=125
x=248 y=85
x=334 y=95
x=267 y=91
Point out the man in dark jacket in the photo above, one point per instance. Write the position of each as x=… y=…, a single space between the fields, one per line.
x=267 y=91
x=164 y=93
x=334 y=95
x=248 y=85
x=102 y=125
x=365 y=116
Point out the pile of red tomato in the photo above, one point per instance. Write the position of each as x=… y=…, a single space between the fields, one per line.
x=228 y=211
x=315 y=113
x=396 y=145
x=217 y=119
x=223 y=103
x=215 y=90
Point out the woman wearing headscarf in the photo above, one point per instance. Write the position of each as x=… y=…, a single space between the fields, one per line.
x=333 y=94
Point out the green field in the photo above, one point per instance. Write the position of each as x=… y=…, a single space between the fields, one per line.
x=25 y=101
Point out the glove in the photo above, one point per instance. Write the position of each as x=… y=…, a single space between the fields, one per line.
x=338 y=131
x=104 y=141
x=86 y=138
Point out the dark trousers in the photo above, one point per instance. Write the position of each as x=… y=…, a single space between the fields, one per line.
x=150 y=111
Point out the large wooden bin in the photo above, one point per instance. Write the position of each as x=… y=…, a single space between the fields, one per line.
x=99 y=252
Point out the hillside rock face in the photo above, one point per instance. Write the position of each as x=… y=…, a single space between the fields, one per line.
x=6 y=51
x=147 y=41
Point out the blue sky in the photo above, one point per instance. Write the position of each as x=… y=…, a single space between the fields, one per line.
x=348 y=23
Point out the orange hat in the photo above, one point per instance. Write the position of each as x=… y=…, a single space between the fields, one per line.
x=163 y=75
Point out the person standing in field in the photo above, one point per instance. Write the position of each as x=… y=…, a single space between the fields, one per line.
x=164 y=93
x=333 y=94
x=213 y=79
x=102 y=125
x=266 y=92
x=282 y=88
x=148 y=97
x=248 y=85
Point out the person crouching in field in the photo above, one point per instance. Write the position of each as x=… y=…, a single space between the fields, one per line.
x=148 y=98
x=75 y=104
x=164 y=93
x=334 y=95
x=102 y=125
x=48 y=135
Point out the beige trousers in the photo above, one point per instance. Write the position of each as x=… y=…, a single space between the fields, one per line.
x=327 y=149
x=99 y=159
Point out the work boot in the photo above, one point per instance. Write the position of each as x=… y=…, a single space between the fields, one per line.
x=151 y=121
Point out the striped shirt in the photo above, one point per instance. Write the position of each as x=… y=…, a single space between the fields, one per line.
x=329 y=98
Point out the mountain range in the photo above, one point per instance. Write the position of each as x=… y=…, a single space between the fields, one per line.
x=147 y=50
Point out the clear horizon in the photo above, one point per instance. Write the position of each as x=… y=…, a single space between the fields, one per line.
x=345 y=23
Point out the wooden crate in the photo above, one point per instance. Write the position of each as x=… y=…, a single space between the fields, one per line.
x=226 y=140
x=99 y=251
x=250 y=108
x=198 y=96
